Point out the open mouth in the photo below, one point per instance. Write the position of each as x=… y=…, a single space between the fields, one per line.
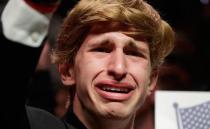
x=114 y=91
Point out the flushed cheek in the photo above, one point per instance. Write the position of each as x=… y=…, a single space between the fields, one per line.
x=141 y=76
x=140 y=72
x=90 y=68
x=142 y=79
x=87 y=69
x=87 y=72
x=83 y=82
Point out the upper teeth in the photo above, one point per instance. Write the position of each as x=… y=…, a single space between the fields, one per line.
x=115 y=89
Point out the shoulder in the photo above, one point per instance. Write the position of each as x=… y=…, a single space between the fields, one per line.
x=41 y=119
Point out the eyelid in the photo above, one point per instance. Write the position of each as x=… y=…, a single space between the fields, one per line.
x=137 y=50
x=134 y=53
x=103 y=46
x=101 y=49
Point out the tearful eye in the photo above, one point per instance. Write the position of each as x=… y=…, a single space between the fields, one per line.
x=102 y=49
x=134 y=53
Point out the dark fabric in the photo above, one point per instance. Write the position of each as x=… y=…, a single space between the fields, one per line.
x=72 y=119
x=40 y=119
x=41 y=92
x=16 y=67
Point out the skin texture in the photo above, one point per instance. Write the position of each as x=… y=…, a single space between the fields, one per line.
x=109 y=59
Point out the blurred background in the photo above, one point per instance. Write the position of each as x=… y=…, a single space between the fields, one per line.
x=188 y=65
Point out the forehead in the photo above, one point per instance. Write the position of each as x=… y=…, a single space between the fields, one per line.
x=114 y=34
x=104 y=27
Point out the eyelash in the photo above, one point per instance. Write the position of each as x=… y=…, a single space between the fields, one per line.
x=127 y=52
x=134 y=53
x=102 y=49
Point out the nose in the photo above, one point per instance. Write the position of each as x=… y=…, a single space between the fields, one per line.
x=117 y=66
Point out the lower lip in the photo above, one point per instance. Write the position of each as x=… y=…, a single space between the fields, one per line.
x=113 y=96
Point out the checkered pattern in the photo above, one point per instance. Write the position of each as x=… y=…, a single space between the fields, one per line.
x=196 y=117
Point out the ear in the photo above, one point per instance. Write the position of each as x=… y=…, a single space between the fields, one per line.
x=66 y=74
x=153 y=81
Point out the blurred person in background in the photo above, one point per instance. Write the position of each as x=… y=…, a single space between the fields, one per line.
x=42 y=90
x=45 y=88
x=24 y=29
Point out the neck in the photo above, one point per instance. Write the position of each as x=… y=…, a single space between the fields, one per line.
x=145 y=119
x=93 y=121
x=103 y=123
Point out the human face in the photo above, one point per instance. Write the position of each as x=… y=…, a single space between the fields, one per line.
x=112 y=72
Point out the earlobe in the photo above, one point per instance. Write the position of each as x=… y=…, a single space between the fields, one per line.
x=153 y=81
x=66 y=74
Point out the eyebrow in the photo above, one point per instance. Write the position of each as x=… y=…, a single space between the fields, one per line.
x=132 y=44
x=103 y=42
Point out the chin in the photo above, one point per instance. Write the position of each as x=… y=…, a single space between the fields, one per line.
x=117 y=113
